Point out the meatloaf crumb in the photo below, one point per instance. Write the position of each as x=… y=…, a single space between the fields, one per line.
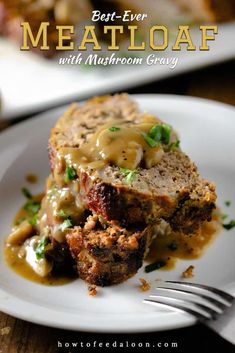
x=92 y=290
x=188 y=273
x=145 y=286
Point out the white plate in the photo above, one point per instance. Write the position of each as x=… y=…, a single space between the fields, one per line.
x=207 y=131
x=37 y=84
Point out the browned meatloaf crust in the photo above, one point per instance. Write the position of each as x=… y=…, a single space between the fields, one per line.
x=172 y=190
x=101 y=253
x=107 y=255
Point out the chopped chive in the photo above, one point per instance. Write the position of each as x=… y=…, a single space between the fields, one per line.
x=229 y=225
x=70 y=174
x=61 y=214
x=66 y=224
x=130 y=177
x=114 y=128
x=227 y=203
x=26 y=193
x=156 y=132
x=159 y=133
x=174 y=145
x=149 y=140
x=154 y=266
x=32 y=206
x=40 y=249
x=130 y=174
x=33 y=220
x=166 y=133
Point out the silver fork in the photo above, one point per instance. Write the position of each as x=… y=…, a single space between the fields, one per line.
x=211 y=306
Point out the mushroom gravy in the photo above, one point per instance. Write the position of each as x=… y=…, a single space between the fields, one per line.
x=22 y=268
x=20 y=246
x=167 y=247
x=121 y=143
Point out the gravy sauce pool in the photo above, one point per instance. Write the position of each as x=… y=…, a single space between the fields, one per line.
x=21 y=267
x=167 y=247
x=171 y=246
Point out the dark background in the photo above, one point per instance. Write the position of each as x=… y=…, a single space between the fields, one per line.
x=217 y=83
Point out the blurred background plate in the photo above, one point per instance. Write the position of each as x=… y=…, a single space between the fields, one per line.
x=30 y=83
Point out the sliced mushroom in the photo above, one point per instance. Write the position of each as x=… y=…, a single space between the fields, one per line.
x=133 y=156
x=40 y=266
x=20 y=233
x=153 y=156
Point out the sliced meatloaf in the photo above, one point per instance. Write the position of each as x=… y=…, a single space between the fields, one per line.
x=102 y=253
x=80 y=122
x=172 y=189
x=107 y=254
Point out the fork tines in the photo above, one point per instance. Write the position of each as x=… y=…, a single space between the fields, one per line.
x=203 y=302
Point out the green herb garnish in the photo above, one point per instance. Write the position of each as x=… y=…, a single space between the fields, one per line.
x=66 y=224
x=130 y=174
x=114 y=128
x=61 y=214
x=166 y=133
x=156 y=132
x=70 y=174
x=227 y=203
x=33 y=220
x=229 y=225
x=40 y=249
x=32 y=206
x=175 y=145
x=173 y=246
x=154 y=266
x=150 y=141
x=26 y=193
x=159 y=133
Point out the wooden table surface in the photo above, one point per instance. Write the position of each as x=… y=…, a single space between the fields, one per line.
x=17 y=336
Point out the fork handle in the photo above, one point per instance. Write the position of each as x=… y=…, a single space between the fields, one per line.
x=225 y=325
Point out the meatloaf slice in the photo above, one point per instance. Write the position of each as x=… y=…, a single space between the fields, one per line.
x=107 y=254
x=172 y=189
x=80 y=122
